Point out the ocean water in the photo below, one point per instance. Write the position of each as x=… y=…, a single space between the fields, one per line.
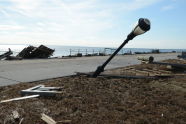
x=72 y=50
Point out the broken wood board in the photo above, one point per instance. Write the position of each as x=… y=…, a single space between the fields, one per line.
x=19 y=98
x=42 y=91
x=65 y=121
x=21 y=120
x=6 y=54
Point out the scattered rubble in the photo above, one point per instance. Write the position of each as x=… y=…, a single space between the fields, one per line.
x=171 y=66
x=102 y=100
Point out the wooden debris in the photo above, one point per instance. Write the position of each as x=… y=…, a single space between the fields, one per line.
x=36 y=52
x=26 y=52
x=145 y=59
x=65 y=121
x=16 y=115
x=19 y=98
x=135 y=77
x=13 y=58
x=21 y=120
x=42 y=91
x=177 y=67
x=6 y=54
x=127 y=76
x=47 y=119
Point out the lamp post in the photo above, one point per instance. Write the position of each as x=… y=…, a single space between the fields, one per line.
x=142 y=26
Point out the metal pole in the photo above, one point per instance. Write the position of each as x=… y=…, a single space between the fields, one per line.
x=142 y=26
x=101 y=68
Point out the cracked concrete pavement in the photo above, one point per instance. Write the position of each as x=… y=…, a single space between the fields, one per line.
x=13 y=72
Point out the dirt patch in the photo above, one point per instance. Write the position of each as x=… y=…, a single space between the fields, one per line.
x=102 y=100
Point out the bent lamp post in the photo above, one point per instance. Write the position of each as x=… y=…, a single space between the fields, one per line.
x=142 y=26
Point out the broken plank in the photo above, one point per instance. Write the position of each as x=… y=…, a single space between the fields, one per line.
x=179 y=66
x=21 y=120
x=163 y=71
x=19 y=98
x=4 y=55
x=41 y=93
x=65 y=121
x=36 y=87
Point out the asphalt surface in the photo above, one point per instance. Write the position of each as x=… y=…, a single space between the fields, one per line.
x=13 y=72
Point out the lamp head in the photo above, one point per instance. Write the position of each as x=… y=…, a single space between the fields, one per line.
x=143 y=25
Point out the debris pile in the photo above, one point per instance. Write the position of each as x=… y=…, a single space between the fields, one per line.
x=36 y=52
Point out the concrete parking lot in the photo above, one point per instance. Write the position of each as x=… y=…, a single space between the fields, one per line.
x=12 y=72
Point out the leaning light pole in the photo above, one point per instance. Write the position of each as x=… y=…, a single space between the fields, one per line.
x=142 y=26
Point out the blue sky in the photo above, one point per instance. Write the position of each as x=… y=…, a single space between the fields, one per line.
x=104 y=23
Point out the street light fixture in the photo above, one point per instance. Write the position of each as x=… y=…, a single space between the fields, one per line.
x=142 y=26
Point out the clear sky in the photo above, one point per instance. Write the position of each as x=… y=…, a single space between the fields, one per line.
x=104 y=23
